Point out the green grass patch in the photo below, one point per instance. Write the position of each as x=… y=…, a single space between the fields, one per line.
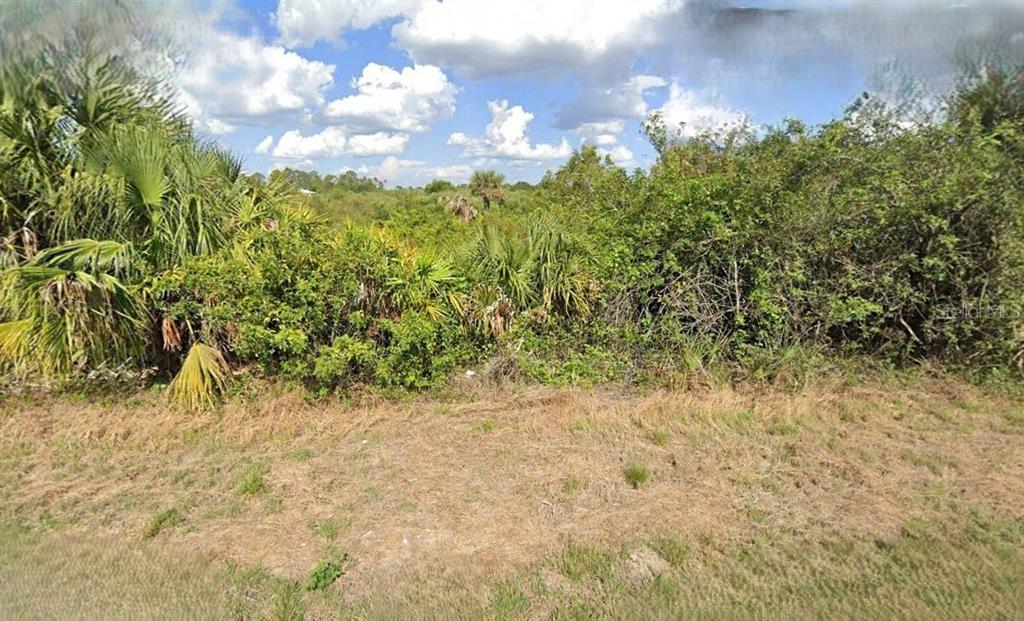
x=251 y=482
x=162 y=521
x=508 y=600
x=325 y=573
x=637 y=475
x=673 y=549
x=330 y=528
x=659 y=437
x=578 y=561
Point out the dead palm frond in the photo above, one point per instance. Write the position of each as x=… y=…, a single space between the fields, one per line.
x=459 y=205
x=202 y=377
x=170 y=334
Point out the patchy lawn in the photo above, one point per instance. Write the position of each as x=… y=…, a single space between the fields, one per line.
x=900 y=499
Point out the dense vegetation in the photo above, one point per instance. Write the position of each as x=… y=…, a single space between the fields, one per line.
x=129 y=244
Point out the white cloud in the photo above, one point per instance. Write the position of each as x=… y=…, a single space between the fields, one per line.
x=298 y=164
x=605 y=136
x=333 y=142
x=380 y=143
x=264 y=146
x=602 y=133
x=505 y=137
x=514 y=36
x=406 y=101
x=232 y=79
x=600 y=127
x=304 y=22
x=394 y=171
x=216 y=126
x=603 y=103
x=686 y=114
x=328 y=143
x=621 y=155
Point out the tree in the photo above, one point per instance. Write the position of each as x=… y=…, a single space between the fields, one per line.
x=489 y=186
x=438 y=185
x=104 y=191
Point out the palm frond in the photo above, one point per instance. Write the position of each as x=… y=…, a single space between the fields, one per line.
x=202 y=377
x=86 y=255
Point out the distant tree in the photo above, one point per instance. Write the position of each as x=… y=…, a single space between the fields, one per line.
x=489 y=186
x=989 y=94
x=522 y=185
x=257 y=178
x=439 y=185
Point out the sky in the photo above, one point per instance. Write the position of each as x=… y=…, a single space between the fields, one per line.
x=412 y=90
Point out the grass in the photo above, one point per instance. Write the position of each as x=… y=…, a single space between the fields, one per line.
x=660 y=437
x=162 y=521
x=673 y=549
x=573 y=484
x=251 y=481
x=637 y=475
x=508 y=600
x=846 y=511
x=578 y=561
x=330 y=529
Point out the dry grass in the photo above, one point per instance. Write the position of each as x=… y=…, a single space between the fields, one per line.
x=497 y=488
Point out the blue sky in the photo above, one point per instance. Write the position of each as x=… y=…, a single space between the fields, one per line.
x=411 y=90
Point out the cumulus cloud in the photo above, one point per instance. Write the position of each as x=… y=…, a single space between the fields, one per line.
x=605 y=136
x=304 y=22
x=621 y=155
x=480 y=39
x=408 y=100
x=380 y=143
x=232 y=79
x=264 y=146
x=334 y=142
x=687 y=115
x=505 y=137
x=394 y=171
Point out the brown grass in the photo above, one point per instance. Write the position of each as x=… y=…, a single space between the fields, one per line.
x=492 y=483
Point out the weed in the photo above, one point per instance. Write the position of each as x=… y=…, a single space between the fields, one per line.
x=637 y=475
x=162 y=521
x=251 y=481
x=659 y=436
x=325 y=573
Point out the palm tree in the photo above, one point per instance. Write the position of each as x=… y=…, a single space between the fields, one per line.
x=103 y=190
x=489 y=186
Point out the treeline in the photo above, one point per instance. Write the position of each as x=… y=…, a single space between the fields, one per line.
x=312 y=181
x=129 y=245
